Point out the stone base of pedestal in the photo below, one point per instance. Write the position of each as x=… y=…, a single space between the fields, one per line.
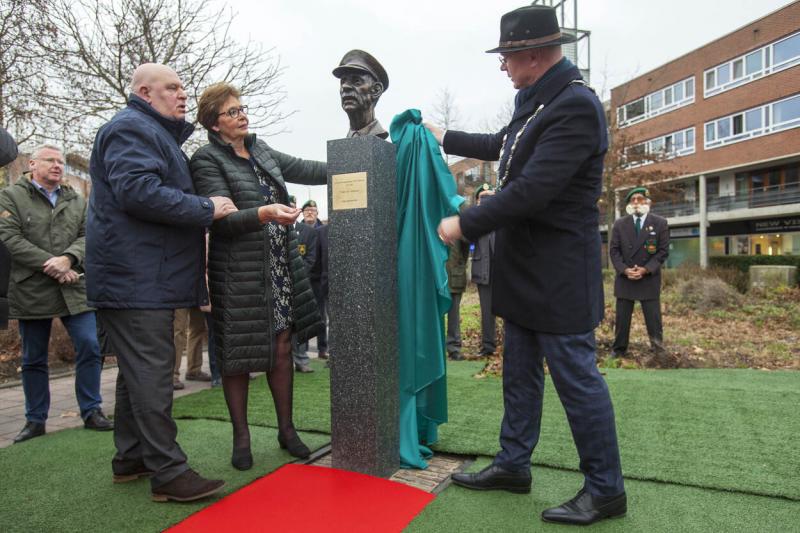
x=362 y=270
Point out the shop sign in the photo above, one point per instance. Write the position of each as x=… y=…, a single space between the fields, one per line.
x=774 y=225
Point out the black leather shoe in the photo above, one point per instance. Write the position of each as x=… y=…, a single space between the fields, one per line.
x=303 y=369
x=585 y=509
x=31 y=430
x=294 y=446
x=455 y=356
x=242 y=459
x=98 y=421
x=495 y=477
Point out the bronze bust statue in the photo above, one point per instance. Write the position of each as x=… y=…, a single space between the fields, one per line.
x=362 y=82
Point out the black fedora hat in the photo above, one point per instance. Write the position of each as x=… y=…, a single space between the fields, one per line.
x=361 y=61
x=530 y=27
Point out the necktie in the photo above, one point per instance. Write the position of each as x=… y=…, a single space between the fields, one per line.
x=638 y=225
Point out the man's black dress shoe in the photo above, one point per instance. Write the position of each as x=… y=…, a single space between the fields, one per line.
x=98 y=421
x=31 y=430
x=495 y=477
x=585 y=509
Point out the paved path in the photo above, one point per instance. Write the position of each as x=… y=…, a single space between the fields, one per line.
x=64 y=412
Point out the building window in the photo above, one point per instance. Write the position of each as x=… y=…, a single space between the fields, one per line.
x=656 y=103
x=756 y=64
x=770 y=118
x=677 y=144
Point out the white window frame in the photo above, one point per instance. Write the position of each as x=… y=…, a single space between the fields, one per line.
x=649 y=111
x=767 y=54
x=767 y=126
x=659 y=154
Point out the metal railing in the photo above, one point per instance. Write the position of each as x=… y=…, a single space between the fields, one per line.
x=764 y=197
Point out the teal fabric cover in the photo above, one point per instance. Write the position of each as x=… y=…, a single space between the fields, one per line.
x=426 y=193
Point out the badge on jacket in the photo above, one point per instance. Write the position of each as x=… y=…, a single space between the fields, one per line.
x=302 y=249
x=651 y=245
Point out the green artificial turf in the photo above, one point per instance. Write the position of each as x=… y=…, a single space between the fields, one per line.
x=62 y=482
x=652 y=508
x=735 y=430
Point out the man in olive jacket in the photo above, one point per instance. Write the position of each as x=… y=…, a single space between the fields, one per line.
x=43 y=224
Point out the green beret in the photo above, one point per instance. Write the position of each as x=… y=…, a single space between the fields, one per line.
x=484 y=187
x=310 y=203
x=637 y=190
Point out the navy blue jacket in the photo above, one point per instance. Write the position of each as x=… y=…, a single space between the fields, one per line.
x=145 y=243
x=546 y=269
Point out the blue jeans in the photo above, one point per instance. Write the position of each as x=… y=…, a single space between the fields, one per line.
x=584 y=395
x=82 y=329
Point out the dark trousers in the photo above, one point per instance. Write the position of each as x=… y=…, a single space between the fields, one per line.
x=583 y=393
x=212 y=352
x=488 y=331
x=454 y=325
x=144 y=430
x=652 y=319
x=35 y=334
x=322 y=304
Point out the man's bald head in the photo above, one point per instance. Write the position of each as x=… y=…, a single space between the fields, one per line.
x=160 y=86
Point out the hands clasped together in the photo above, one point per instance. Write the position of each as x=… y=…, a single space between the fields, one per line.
x=635 y=272
x=60 y=269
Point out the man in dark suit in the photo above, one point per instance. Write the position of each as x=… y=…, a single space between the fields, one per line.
x=308 y=247
x=319 y=284
x=482 y=276
x=547 y=282
x=639 y=246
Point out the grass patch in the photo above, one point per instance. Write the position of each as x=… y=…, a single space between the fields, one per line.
x=727 y=429
x=62 y=482
x=652 y=507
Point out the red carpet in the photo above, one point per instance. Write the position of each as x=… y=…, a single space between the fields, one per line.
x=310 y=499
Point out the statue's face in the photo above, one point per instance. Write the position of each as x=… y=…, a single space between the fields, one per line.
x=358 y=91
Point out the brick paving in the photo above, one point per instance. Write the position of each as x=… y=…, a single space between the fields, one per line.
x=433 y=479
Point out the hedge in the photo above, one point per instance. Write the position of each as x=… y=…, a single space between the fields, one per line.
x=744 y=262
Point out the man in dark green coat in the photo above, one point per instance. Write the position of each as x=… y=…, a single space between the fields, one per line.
x=457 y=282
x=43 y=224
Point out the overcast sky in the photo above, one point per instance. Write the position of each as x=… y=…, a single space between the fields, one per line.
x=427 y=45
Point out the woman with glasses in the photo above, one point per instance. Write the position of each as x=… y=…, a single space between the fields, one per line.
x=260 y=291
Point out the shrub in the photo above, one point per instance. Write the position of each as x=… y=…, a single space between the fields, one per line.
x=704 y=293
x=744 y=262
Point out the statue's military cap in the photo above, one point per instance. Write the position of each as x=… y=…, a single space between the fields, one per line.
x=361 y=61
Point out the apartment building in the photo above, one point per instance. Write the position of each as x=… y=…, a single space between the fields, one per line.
x=717 y=130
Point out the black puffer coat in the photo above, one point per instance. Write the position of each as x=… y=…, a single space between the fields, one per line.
x=238 y=275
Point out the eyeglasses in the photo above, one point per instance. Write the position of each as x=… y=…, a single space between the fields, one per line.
x=503 y=60
x=234 y=111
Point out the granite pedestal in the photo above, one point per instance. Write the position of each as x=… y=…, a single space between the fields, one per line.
x=362 y=271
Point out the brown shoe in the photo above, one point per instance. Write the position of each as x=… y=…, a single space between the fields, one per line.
x=130 y=472
x=199 y=376
x=177 y=384
x=187 y=487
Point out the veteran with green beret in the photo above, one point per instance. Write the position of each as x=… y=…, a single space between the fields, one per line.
x=638 y=248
